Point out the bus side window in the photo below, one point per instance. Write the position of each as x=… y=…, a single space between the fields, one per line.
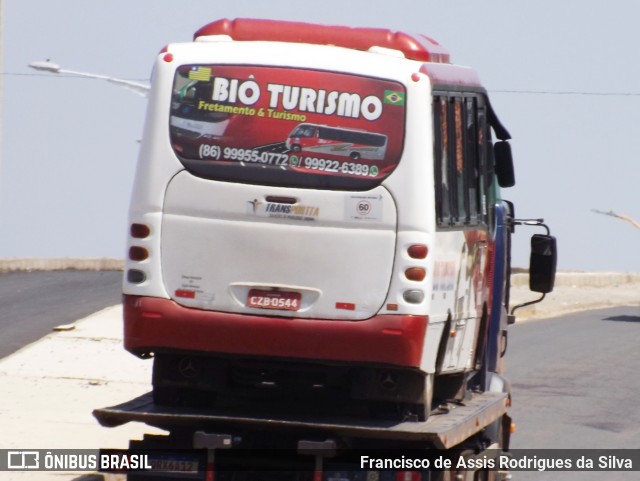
x=457 y=166
x=460 y=159
x=441 y=156
x=484 y=162
x=472 y=165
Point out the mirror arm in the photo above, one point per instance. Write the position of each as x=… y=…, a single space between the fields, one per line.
x=511 y=318
x=534 y=222
x=524 y=304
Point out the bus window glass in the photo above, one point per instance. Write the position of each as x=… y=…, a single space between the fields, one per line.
x=437 y=157
x=443 y=156
x=458 y=171
x=286 y=127
x=471 y=158
x=483 y=164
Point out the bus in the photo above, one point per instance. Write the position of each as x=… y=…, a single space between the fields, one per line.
x=316 y=282
x=322 y=139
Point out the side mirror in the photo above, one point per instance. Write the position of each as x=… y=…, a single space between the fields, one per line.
x=542 y=264
x=504 y=164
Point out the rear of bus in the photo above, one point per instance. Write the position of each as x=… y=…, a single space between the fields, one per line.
x=257 y=270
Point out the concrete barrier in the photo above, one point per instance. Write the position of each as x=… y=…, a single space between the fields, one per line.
x=518 y=279
x=61 y=264
x=583 y=279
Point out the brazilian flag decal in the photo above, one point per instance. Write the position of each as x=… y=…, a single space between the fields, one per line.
x=394 y=98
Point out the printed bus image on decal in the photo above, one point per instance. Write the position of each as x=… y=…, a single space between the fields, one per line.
x=338 y=141
x=233 y=122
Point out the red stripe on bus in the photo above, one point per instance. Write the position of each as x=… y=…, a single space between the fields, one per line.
x=388 y=339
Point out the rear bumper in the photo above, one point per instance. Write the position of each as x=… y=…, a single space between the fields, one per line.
x=153 y=324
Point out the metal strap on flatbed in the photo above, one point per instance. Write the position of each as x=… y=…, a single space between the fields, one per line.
x=442 y=430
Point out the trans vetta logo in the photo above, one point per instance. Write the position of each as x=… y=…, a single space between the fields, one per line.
x=284 y=211
x=255 y=205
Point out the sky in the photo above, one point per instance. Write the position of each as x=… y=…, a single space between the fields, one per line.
x=563 y=76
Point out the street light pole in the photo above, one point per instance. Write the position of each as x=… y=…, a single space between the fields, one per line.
x=625 y=218
x=48 y=66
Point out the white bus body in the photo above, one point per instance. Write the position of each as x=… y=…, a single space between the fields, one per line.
x=246 y=256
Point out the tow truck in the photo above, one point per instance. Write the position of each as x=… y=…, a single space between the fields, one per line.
x=446 y=427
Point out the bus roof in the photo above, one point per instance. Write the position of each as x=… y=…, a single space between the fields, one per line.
x=414 y=47
x=452 y=76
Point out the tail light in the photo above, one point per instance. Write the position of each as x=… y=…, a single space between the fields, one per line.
x=414 y=273
x=417 y=274
x=137 y=253
x=135 y=276
x=413 y=296
x=140 y=231
x=418 y=251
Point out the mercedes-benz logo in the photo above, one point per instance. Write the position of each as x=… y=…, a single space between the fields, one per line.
x=188 y=368
x=388 y=380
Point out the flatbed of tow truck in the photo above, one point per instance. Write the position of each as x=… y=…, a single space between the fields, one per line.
x=445 y=428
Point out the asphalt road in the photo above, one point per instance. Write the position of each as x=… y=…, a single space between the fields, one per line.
x=32 y=303
x=574 y=378
x=575 y=385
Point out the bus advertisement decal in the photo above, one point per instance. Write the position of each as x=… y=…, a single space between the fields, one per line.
x=309 y=121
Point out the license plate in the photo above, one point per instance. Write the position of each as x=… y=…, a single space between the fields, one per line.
x=279 y=300
x=174 y=464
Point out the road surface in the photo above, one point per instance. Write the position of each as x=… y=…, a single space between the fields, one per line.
x=575 y=385
x=35 y=302
x=574 y=378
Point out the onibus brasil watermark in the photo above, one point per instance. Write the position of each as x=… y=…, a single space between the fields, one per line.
x=73 y=460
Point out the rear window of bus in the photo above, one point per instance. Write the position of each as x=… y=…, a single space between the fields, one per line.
x=286 y=127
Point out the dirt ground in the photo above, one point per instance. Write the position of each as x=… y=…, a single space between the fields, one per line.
x=576 y=292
